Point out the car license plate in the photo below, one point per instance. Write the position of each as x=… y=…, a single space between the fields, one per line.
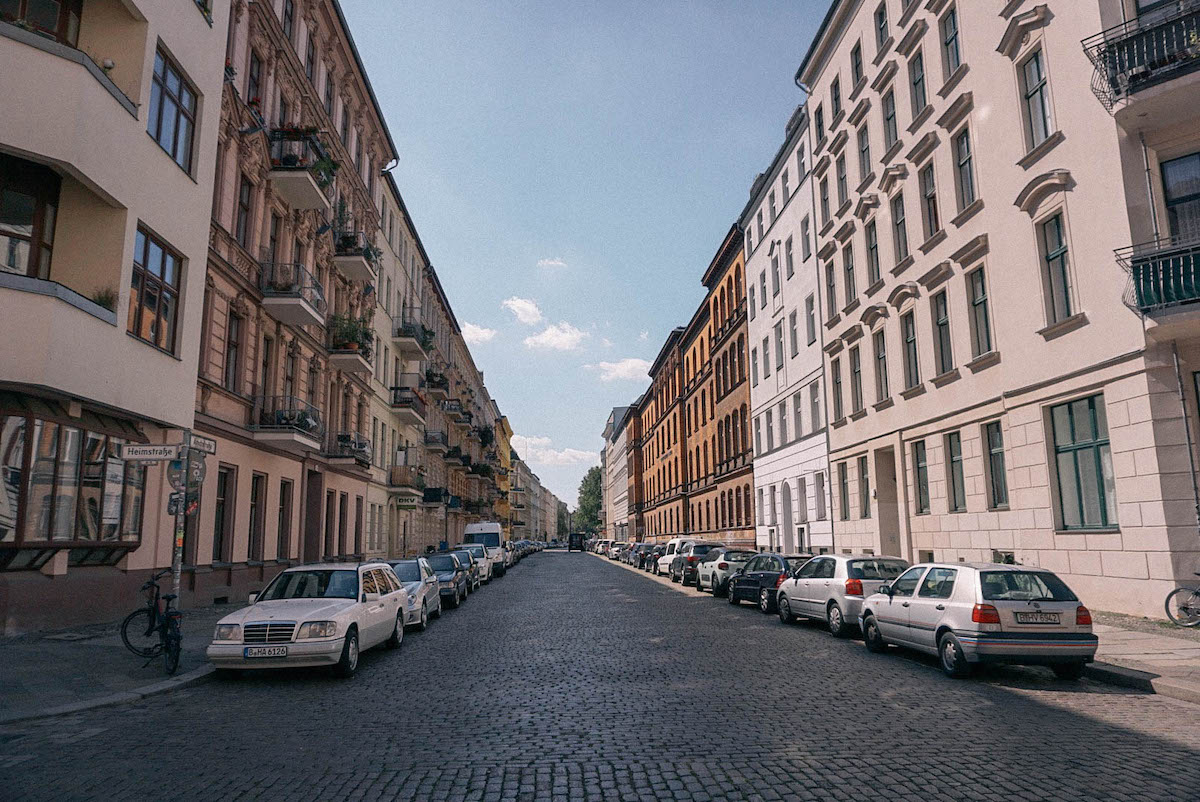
x=265 y=651
x=1037 y=618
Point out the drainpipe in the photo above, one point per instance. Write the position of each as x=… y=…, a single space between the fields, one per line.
x=1187 y=430
x=1149 y=185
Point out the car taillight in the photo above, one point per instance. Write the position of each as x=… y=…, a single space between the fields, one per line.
x=985 y=614
x=691 y=559
x=854 y=587
x=782 y=576
x=723 y=566
x=1083 y=616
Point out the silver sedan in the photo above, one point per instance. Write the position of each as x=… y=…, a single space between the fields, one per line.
x=424 y=600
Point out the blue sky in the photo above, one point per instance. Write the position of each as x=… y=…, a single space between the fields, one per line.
x=572 y=168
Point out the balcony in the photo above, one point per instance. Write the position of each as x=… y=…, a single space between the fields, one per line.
x=408 y=406
x=1150 y=49
x=357 y=258
x=1164 y=277
x=452 y=455
x=348 y=448
x=287 y=423
x=434 y=496
x=292 y=295
x=350 y=342
x=438 y=384
x=454 y=410
x=412 y=340
x=436 y=441
x=301 y=169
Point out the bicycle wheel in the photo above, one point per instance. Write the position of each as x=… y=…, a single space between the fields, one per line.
x=173 y=646
x=1183 y=607
x=139 y=634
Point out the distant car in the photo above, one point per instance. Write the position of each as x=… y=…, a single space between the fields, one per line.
x=473 y=568
x=479 y=552
x=683 y=567
x=971 y=613
x=453 y=575
x=491 y=535
x=421 y=585
x=831 y=588
x=663 y=564
x=759 y=578
x=636 y=554
x=313 y=615
x=615 y=549
x=718 y=565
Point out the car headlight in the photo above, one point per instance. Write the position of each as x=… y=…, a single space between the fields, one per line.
x=447 y=584
x=317 y=629
x=228 y=632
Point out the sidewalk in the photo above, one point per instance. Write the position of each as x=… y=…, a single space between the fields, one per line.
x=51 y=672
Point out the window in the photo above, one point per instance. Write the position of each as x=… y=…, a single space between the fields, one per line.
x=310 y=59
x=856 y=395
x=762 y=289
x=758 y=449
x=1037 y=99
x=899 y=229
x=810 y=319
x=760 y=225
x=254 y=80
x=805 y=243
x=819 y=122
x=956 y=484
x=154 y=291
x=819 y=486
x=997 y=478
x=771 y=205
x=801 y=168
x=942 y=348
x=950 y=50
x=1058 y=281
x=1181 y=194
x=890 y=134
x=329 y=93
x=233 y=345
x=28 y=209
x=223 y=517
x=864 y=153
x=1086 y=491
x=856 y=63
x=171 y=119
x=778 y=345
x=775 y=274
x=912 y=371
x=824 y=201
x=345 y=129
x=783 y=185
x=830 y=289
x=793 y=335
x=881 y=371
x=54 y=20
x=848 y=272
x=766 y=352
x=864 y=489
x=750 y=306
x=754 y=366
x=921 y=477
x=916 y=77
x=843 y=191
x=835 y=97
x=797 y=417
x=981 y=329
x=284 y=524
x=933 y=223
x=789 y=258
x=872 y=236
x=843 y=492
x=881 y=26
x=814 y=402
x=289 y=18
x=783 y=430
x=241 y=225
x=938 y=583
x=258 y=509
x=749 y=241
x=835 y=369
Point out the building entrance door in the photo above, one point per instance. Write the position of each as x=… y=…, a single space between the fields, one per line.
x=887 y=502
x=314 y=493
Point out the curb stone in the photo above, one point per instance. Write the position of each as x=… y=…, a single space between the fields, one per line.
x=192 y=677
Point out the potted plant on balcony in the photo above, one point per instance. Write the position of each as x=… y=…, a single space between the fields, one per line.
x=106 y=297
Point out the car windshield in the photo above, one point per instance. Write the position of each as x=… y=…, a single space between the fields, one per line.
x=704 y=549
x=443 y=562
x=407 y=572
x=1024 y=586
x=312 y=585
x=476 y=550
x=876 y=569
x=463 y=556
x=795 y=562
x=486 y=538
x=737 y=556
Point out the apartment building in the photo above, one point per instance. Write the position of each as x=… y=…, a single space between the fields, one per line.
x=663 y=445
x=1005 y=224
x=503 y=507
x=614 y=463
x=635 y=489
x=791 y=467
x=718 y=463
x=101 y=279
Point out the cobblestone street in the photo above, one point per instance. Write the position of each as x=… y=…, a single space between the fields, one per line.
x=574 y=679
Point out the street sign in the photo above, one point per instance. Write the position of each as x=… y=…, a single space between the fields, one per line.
x=178 y=473
x=173 y=502
x=202 y=443
x=140 y=453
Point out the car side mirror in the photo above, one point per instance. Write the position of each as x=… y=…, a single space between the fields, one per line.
x=252 y=598
x=368 y=596
x=886 y=589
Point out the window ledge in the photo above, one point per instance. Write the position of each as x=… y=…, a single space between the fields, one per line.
x=985 y=360
x=217 y=564
x=37 y=286
x=817 y=148
x=839 y=423
x=953 y=80
x=912 y=392
x=934 y=240
x=834 y=319
x=255 y=563
x=19 y=34
x=857 y=90
x=1091 y=530
x=1038 y=151
x=891 y=152
x=1068 y=324
x=865 y=184
x=920 y=119
x=825 y=229
x=967 y=213
x=874 y=288
x=845 y=207
x=903 y=265
x=862 y=413
x=942 y=379
x=884 y=47
x=850 y=307
x=879 y=406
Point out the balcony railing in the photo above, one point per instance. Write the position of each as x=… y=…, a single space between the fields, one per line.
x=413 y=381
x=406 y=476
x=437 y=381
x=435 y=495
x=408 y=398
x=282 y=412
x=454 y=408
x=1153 y=47
x=285 y=280
x=299 y=149
x=355 y=255
x=349 y=445
x=435 y=439
x=1162 y=274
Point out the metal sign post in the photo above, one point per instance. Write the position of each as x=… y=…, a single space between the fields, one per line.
x=179 y=480
x=185 y=476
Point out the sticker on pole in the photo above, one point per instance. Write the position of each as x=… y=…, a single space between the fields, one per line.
x=143 y=453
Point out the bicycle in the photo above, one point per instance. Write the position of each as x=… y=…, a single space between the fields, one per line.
x=153 y=630
x=1183 y=606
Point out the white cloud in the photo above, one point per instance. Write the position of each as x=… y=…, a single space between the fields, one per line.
x=476 y=334
x=526 y=309
x=607 y=343
x=557 y=337
x=645 y=335
x=623 y=370
x=552 y=262
x=541 y=451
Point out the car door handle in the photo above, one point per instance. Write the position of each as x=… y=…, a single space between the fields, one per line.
x=940 y=607
x=905 y=604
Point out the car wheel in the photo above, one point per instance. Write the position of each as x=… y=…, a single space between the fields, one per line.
x=950 y=655
x=872 y=637
x=785 y=609
x=719 y=589
x=838 y=627
x=423 y=624
x=454 y=600
x=731 y=594
x=764 y=601
x=397 y=637
x=348 y=663
x=437 y=613
x=1070 y=671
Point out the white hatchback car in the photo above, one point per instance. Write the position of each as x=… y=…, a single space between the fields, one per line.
x=970 y=613
x=314 y=615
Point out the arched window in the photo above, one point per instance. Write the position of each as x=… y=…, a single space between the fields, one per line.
x=745 y=442
x=741 y=349
x=746 y=504
x=737 y=508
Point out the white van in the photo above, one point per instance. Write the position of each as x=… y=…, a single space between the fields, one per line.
x=674 y=545
x=490 y=535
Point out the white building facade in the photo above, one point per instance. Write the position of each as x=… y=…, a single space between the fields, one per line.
x=614 y=463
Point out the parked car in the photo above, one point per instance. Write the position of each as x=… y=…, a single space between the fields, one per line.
x=718 y=565
x=602 y=546
x=421 y=585
x=683 y=567
x=831 y=588
x=490 y=534
x=614 y=550
x=638 y=554
x=972 y=613
x=650 y=559
x=479 y=553
x=313 y=615
x=453 y=575
x=758 y=580
x=473 y=569
x=663 y=564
